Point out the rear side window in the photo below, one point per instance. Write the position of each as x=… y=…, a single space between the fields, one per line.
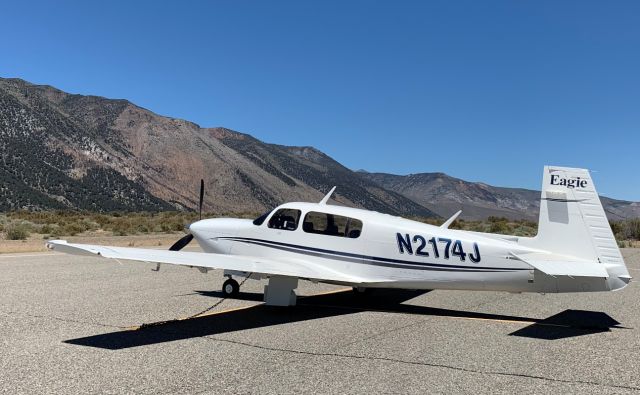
x=285 y=218
x=332 y=225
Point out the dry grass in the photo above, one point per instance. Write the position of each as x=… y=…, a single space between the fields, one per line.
x=36 y=244
x=492 y=225
x=54 y=224
x=23 y=231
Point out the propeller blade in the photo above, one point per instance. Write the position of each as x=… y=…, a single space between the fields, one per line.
x=201 y=196
x=180 y=244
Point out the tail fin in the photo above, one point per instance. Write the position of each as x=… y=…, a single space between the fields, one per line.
x=573 y=222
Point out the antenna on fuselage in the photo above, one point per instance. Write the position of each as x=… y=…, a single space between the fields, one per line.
x=327 y=196
x=450 y=220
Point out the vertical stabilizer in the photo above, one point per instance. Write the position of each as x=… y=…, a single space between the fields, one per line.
x=573 y=222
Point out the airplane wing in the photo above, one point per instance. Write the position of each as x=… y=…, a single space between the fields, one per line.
x=297 y=268
x=557 y=266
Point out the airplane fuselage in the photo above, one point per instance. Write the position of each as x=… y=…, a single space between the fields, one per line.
x=397 y=252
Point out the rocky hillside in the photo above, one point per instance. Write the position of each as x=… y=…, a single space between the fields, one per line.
x=446 y=195
x=60 y=150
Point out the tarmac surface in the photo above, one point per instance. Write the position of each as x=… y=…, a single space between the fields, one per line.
x=72 y=324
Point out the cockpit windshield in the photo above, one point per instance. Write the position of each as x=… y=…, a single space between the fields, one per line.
x=260 y=220
x=285 y=219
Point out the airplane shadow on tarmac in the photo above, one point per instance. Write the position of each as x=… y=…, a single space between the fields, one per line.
x=569 y=323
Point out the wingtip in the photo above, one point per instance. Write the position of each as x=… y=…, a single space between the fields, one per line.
x=51 y=244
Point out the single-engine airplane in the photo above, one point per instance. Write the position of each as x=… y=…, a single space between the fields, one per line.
x=574 y=250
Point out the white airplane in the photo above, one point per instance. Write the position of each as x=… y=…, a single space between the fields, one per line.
x=574 y=250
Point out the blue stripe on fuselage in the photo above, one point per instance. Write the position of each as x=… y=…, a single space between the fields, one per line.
x=370 y=260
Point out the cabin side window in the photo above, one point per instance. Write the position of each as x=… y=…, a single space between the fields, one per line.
x=285 y=218
x=332 y=225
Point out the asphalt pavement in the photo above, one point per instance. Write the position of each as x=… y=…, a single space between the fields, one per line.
x=73 y=324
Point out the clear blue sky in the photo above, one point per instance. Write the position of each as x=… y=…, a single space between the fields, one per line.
x=483 y=90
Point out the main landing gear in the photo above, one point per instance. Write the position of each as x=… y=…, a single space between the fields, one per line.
x=230 y=288
x=279 y=291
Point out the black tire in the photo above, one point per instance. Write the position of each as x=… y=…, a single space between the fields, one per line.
x=230 y=288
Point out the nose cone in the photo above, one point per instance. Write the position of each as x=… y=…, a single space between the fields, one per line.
x=197 y=227
x=218 y=226
x=212 y=234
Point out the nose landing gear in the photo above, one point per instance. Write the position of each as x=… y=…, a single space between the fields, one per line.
x=230 y=288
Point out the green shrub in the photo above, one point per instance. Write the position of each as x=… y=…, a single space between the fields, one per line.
x=122 y=227
x=142 y=228
x=616 y=228
x=48 y=229
x=499 y=227
x=633 y=229
x=72 y=229
x=17 y=232
x=628 y=229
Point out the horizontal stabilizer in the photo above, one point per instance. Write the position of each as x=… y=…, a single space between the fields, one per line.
x=558 y=267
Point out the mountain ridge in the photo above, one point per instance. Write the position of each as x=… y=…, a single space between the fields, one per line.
x=478 y=200
x=60 y=150
x=72 y=151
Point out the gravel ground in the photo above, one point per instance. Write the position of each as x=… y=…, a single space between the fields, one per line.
x=74 y=324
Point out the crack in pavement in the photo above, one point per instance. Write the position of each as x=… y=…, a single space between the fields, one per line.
x=418 y=363
x=378 y=334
